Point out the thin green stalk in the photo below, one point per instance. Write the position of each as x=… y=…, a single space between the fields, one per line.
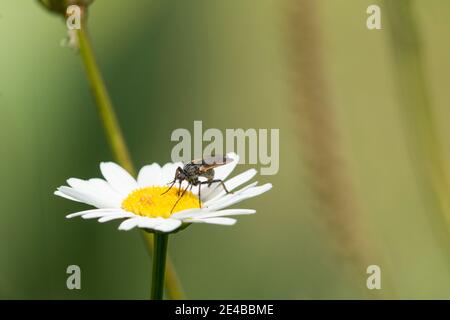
x=117 y=142
x=103 y=102
x=159 y=265
x=417 y=111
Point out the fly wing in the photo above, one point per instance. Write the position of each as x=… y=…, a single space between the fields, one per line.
x=211 y=162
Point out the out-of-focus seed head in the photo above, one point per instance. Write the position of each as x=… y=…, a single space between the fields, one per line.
x=60 y=6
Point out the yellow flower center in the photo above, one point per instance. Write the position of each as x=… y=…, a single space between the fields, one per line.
x=149 y=202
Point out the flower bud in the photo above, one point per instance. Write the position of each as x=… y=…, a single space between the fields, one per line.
x=60 y=6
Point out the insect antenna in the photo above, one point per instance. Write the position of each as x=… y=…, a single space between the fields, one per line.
x=171 y=185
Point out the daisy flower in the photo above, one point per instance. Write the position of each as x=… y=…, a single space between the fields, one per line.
x=141 y=203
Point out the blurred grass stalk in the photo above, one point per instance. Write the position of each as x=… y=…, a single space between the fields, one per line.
x=117 y=143
x=417 y=112
x=335 y=198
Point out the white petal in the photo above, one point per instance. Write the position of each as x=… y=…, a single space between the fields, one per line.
x=187 y=213
x=150 y=175
x=150 y=223
x=119 y=179
x=168 y=172
x=63 y=195
x=256 y=191
x=221 y=221
x=115 y=216
x=81 y=213
x=100 y=214
x=106 y=190
x=250 y=193
x=240 y=179
x=91 y=199
x=79 y=185
x=99 y=188
x=223 y=172
x=168 y=225
x=130 y=223
x=159 y=224
x=231 y=184
x=226 y=197
x=223 y=213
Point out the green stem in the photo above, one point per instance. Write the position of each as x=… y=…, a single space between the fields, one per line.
x=103 y=102
x=417 y=110
x=117 y=142
x=159 y=265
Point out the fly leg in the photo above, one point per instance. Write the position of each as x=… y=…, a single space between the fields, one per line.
x=173 y=182
x=179 y=198
x=199 y=195
x=209 y=182
x=179 y=188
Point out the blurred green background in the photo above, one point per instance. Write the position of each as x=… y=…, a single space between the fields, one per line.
x=228 y=63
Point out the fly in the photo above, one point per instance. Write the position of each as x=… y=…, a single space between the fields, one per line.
x=192 y=171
